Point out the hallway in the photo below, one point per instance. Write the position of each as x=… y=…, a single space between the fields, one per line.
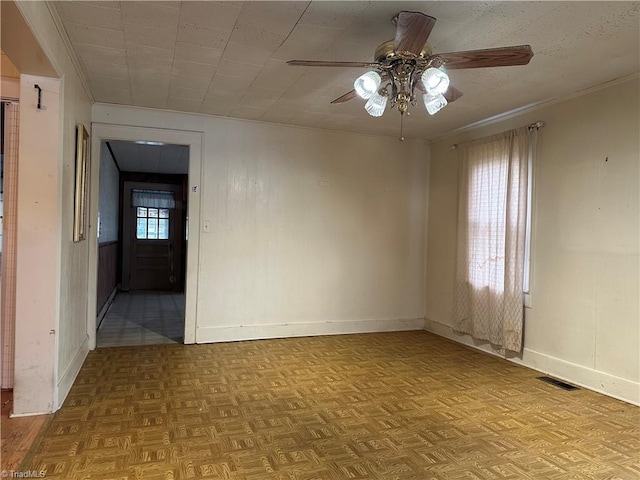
x=143 y=318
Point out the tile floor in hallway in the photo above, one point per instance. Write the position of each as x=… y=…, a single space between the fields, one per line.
x=143 y=318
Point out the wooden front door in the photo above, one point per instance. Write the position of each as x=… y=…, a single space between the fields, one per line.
x=155 y=239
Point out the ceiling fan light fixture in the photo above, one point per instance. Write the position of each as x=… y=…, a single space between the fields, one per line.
x=435 y=81
x=367 y=84
x=376 y=104
x=434 y=103
x=406 y=65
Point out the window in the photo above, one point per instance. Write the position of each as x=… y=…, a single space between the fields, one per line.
x=152 y=213
x=152 y=223
x=490 y=213
x=487 y=224
x=493 y=223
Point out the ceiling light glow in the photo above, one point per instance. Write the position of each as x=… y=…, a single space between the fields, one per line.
x=435 y=81
x=367 y=84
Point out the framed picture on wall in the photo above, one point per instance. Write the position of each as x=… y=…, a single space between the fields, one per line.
x=81 y=190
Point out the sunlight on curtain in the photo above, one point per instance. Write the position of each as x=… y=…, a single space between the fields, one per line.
x=492 y=221
x=486 y=216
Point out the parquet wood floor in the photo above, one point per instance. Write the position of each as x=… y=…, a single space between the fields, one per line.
x=18 y=434
x=386 y=406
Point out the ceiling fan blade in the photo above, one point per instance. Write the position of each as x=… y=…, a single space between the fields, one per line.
x=321 y=63
x=452 y=94
x=490 y=57
x=412 y=31
x=346 y=97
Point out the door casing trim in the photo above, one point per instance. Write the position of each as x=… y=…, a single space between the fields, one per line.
x=194 y=140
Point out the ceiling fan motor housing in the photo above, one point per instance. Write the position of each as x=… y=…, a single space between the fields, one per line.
x=402 y=71
x=386 y=51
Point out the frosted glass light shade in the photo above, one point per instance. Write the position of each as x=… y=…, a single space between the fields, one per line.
x=434 y=103
x=435 y=81
x=367 y=84
x=376 y=104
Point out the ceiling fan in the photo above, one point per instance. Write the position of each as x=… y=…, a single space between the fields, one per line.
x=406 y=64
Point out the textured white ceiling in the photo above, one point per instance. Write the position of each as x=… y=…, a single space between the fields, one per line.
x=228 y=58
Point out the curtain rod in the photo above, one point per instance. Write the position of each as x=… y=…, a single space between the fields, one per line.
x=535 y=125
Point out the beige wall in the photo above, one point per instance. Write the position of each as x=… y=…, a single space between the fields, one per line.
x=7 y=68
x=37 y=253
x=10 y=80
x=584 y=321
x=51 y=310
x=311 y=232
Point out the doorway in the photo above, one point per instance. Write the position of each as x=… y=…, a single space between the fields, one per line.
x=106 y=132
x=142 y=212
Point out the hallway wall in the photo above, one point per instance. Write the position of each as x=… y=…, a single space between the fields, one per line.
x=108 y=220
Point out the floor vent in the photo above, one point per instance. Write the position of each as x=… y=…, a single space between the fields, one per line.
x=558 y=383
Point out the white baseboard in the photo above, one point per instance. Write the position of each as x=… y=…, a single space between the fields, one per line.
x=107 y=304
x=69 y=376
x=31 y=414
x=308 y=329
x=601 y=382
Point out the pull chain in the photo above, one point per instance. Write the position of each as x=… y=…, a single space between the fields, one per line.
x=401 y=128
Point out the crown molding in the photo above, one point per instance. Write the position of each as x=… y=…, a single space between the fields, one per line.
x=532 y=107
x=57 y=21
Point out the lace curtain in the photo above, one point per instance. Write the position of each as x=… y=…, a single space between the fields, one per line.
x=492 y=221
x=152 y=199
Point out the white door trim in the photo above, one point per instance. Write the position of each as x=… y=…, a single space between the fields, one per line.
x=102 y=132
